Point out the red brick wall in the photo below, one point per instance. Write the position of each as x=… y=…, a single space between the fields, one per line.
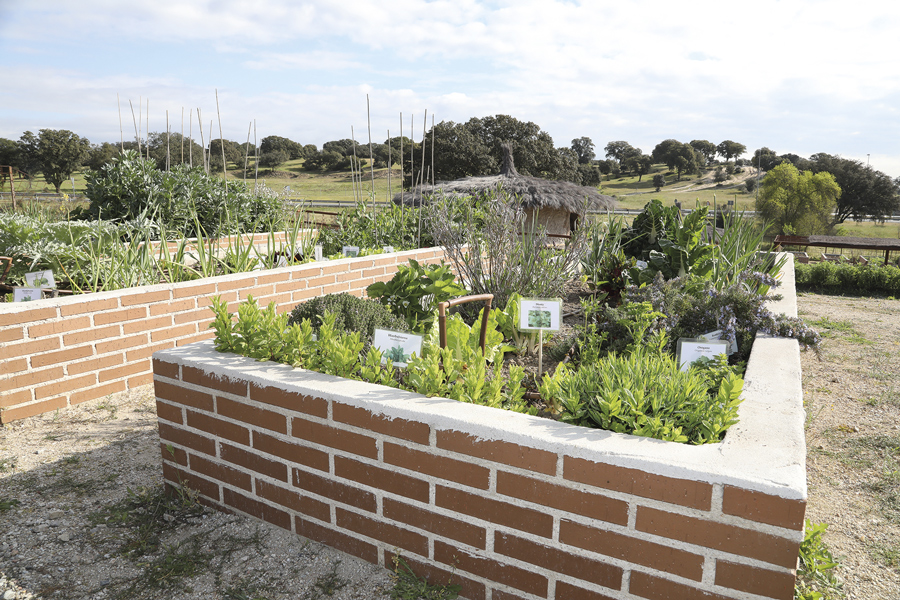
x=63 y=351
x=506 y=520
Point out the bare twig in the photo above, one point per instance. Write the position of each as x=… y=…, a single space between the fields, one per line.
x=202 y=141
x=121 y=132
x=247 y=149
x=167 y=139
x=137 y=136
x=371 y=164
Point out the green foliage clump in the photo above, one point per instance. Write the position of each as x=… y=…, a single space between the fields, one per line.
x=848 y=278
x=350 y=314
x=798 y=202
x=498 y=249
x=815 y=574
x=185 y=201
x=415 y=292
x=643 y=392
x=690 y=307
x=392 y=225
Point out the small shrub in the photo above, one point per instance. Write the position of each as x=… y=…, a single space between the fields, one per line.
x=415 y=292
x=351 y=314
x=848 y=278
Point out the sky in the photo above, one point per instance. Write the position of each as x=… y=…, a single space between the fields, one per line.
x=798 y=76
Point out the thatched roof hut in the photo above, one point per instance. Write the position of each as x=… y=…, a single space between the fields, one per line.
x=558 y=204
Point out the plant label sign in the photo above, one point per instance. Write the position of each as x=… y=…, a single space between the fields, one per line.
x=538 y=313
x=717 y=335
x=387 y=249
x=40 y=279
x=317 y=252
x=690 y=350
x=26 y=294
x=350 y=251
x=398 y=346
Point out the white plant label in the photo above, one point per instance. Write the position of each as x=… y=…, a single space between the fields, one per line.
x=398 y=346
x=387 y=249
x=25 y=294
x=317 y=252
x=350 y=251
x=537 y=313
x=40 y=279
x=717 y=335
x=690 y=350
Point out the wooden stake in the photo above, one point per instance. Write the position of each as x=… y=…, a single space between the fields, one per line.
x=182 y=135
x=390 y=165
x=202 y=141
x=137 y=136
x=147 y=125
x=256 y=160
x=402 y=207
x=221 y=142
x=121 y=132
x=423 y=177
x=247 y=149
x=356 y=197
x=371 y=164
x=167 y=139
x=191 y=137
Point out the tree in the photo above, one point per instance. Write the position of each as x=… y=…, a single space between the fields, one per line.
x=797 y=203
x=569 y=165
x=28 y=158
x=234 y=154
x=865 y=192
x=765 y=159
x=343 y=147
x=158 y=146
x=729 y=149
x=100 y=154
x=271 y=159
x=705 y=148
x=676 y=155
x=8 y=152
x=60 y=153
x=292 y=149
x=620 y=150
x=584 y=148
x=589 y=175
x=639 y=164
x=659 y=180
x=533 y=150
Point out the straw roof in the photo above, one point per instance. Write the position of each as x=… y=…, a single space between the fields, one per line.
x=534 y=192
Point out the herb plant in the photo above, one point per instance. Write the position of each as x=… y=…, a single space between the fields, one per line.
x=350 y=314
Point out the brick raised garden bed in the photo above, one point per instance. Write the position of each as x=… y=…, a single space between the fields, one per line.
x=513 y=506
x=62 y=351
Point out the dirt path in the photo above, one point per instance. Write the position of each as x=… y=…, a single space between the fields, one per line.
x=852 y=397
x=80 y=514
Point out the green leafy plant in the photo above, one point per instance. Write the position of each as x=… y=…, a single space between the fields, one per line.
x=643 y=392
x=815 y=574
x=415 y=291
x=508 y=323
x=848 y=278
x=351 y=314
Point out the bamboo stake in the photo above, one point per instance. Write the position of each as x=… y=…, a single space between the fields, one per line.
x=356 y=197
x=147 y=125
x=423 y=177
x=390 y=165
x=256 y=159
x=402 y=207
x=202 y=141
x=182 y=135
x=412 y=157
x=371 y=164
x=432 y=152
x=221 y=142
x=247 y=149
x=121 y=131
x=137 y=136
x=209 y=154
x=191 y=137
x=167 y=139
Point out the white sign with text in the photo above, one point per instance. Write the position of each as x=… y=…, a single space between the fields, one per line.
x=398 y=346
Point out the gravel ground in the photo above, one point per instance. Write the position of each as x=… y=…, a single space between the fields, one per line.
x=81 y=514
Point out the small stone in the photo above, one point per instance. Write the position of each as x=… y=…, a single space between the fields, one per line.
x=56 y=514
x=168 y=517
x=64 y=537
x=8 y=595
